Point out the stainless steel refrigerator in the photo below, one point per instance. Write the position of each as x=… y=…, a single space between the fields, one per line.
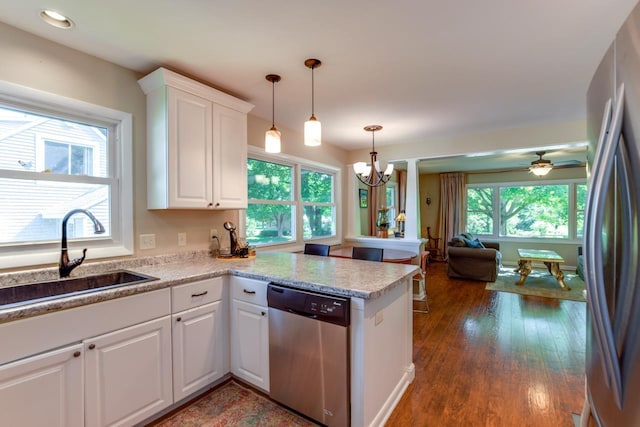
x=612 y=234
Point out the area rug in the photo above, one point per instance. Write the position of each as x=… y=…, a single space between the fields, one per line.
x=539 y=283
x=233 y=405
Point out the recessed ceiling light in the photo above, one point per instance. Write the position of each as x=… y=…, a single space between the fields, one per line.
x=56 y=19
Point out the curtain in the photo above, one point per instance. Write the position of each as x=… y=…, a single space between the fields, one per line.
x=377 y=200
x=452 y=207
x=402 y=190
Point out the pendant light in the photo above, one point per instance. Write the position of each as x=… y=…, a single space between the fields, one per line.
x=312 y=127
x=372 y=174
x=541 y=166
x=272 y=136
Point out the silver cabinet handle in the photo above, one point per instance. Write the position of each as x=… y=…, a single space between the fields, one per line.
x=200 y=294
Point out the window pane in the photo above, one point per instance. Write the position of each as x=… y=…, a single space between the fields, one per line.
x=317 y=187
x=480 y=210
x=319 y=221
x=269 y=223
x=269 y=181
x=56 y=157
x=535 y=211
x=581 y=202
x=32 y=211
x=36 y=143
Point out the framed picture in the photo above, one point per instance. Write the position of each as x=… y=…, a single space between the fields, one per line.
x=364 y=198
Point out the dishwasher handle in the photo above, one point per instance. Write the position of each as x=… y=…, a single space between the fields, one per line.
x=302 y=313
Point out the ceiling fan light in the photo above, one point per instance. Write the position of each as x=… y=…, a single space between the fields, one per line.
x=540 y=169
x=312 y=132
x=272 y=140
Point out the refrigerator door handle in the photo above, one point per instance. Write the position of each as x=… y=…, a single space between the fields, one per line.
x=589 y=253
x=595 y=278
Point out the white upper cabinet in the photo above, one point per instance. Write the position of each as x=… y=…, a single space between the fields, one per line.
x=196 y=144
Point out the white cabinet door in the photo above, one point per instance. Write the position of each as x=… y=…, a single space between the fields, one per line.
x=250 y=343
x=128 y=374
x=200 y=348
x=229 y=158
x=43 y=390
x=190 y=150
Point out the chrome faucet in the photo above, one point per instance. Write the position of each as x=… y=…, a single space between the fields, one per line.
x=65 y=267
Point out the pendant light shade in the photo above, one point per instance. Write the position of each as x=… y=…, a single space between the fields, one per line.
x=312 y=127
x=373 y=174
x=272 y=136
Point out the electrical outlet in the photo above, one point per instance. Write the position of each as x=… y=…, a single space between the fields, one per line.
x=379 y=318
x=182 y=239
x=147 y=241
x=213 y=233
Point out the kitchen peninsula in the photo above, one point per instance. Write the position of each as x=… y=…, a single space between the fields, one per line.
x=381 y=365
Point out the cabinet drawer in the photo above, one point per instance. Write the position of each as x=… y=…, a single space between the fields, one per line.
x=196 y=294
x=249 y=290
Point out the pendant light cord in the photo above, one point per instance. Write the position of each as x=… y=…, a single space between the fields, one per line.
x=313 y=85
x=273 y=104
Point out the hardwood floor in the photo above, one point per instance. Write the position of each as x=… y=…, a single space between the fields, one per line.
x=488 y=358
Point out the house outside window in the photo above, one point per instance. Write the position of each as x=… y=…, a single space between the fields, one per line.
x=291 y=201
x=58 y=155
x=553 y=210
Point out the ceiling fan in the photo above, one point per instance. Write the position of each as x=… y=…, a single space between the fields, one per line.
x=541 y=166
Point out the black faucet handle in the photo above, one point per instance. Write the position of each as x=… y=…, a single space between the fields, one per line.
x=77 y=261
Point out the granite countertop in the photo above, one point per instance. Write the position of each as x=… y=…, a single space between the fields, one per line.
x=337 y=276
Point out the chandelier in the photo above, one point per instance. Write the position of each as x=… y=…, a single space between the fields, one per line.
x=541 y=166
x=372 y=174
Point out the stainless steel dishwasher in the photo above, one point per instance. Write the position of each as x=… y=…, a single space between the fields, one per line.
x=309 y=353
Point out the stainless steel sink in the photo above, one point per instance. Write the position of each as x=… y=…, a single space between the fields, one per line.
x=13 y=296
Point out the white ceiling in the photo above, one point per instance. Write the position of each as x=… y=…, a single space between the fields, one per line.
x=420 y=68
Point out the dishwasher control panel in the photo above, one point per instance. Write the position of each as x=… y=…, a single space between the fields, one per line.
x=326 y=308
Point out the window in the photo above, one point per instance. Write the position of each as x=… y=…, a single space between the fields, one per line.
x=547 y=211
x=480 y=210
x=290 y=201
x=59 y=155
x=271 y=207
x=319 y=218
x=391 y=201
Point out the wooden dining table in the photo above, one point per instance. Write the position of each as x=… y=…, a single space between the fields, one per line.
x=389 y=255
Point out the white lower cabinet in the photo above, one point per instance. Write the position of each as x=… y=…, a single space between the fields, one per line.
x=128 y=374
x=199 y=348
x=44 y=390
x=250 y=331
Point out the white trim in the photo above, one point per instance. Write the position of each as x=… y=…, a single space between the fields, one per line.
x=121 y=241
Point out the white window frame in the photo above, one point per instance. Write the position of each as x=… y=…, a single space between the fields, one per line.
x=298 y=164
x=120 y=154
x=572 y=183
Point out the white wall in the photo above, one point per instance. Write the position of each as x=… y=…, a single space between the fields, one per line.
x=34 y=62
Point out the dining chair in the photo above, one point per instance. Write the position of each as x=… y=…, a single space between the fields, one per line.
x=316 y=249
x=368 y=254
x=420 y=297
